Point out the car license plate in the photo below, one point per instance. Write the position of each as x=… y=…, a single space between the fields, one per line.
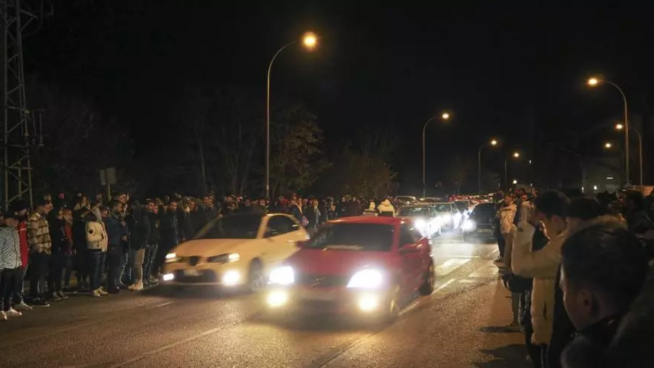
x=191 y=272
x=318 y=295
x=485 y=231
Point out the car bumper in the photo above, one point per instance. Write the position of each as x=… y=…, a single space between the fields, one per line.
x=307 y=300
x=218 y=275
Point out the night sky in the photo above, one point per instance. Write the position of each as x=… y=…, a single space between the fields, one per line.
x=496 y=67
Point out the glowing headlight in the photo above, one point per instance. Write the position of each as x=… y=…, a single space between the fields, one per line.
x=368 y=303
x=366 y=279
x=446 y=217
x=168 y=277
x=468 y=225
x=172 y=257
x=420 y=223
x=231 y=278
x=224 y=258
x=282 y=276
x=277 y=298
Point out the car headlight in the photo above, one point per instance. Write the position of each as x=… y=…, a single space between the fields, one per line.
x=366 y=279
x=224 y=258
x=468 y=225
x=446 y=217
x=172 y=257
x=282 y=276
x=420 y=223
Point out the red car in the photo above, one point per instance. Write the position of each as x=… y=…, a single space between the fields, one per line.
x=364 y=265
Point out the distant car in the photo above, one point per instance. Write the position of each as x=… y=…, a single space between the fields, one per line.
x=368 y=266
x=233 y=251
x=423 y=216
x=432 y=200
x=449 y=216
x=481 y=223
x=464 y=206
x=404 y=200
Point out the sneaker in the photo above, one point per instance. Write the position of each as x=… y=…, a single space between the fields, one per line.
x=3 y=316
x=137 y=287
x=62 y=295
x=22 y=307
x=69 y=290
x=101 y=291
x=95 y=294
x=40 y=303
x=55 y=297
x=153 y=280
x=13 y=313
x=115 y=290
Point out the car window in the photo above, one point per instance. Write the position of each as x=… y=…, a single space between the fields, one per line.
x=278 y=225
x=443 y=207
x=231 y=227
x=409 y=235
x=353 y=237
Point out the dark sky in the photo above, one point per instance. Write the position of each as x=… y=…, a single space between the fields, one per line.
x=494 y=66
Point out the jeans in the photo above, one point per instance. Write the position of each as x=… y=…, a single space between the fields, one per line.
x=16 y=287
x=515 y=306
x=56 y=270
x=7 y=278
x=96 y=259
x=68 y=270
x=39 y=263
x=115 y=263
x=148 y=263
x=82 y=267
x=135 y=265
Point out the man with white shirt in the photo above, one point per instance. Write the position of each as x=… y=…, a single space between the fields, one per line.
x=10 y=264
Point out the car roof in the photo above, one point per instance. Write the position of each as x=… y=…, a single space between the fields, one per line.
x=379 y=220
x=416 y=205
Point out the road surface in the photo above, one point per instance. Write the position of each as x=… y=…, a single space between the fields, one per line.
x=460 y=325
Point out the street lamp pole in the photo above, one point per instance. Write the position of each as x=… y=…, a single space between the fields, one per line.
x=640 y=149
x=268 y=116
x=506 y=176
x=492 y=143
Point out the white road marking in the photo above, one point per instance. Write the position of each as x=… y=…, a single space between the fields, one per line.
x=486 y=271
x=444 y=285
x=466 y=281
x=450 y=265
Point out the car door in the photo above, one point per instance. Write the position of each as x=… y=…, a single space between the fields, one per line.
x=411 y=261
x=281 y=234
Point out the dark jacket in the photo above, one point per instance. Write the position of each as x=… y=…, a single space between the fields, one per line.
x=170 y=230
x=58 y=236
x=115 y=230
x=155 y=221
x=194 y=221
x=139 y=229
x=588 y=349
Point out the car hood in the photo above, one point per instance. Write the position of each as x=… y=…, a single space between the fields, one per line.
x=209 y=247
x=335 y=262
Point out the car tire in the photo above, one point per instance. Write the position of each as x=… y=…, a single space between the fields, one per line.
x=256 y=278
x=393 y=308
x=430 y=279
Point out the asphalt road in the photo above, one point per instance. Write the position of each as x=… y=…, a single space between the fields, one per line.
x=460 y=325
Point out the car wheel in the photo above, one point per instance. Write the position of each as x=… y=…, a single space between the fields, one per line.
x=430 y=279
x=393 y=308
x=256 y=278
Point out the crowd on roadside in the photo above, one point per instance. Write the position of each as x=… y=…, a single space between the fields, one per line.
x=101 y=247
x=581 y=276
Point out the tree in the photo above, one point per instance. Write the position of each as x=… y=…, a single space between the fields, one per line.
x=296 y=149
x=460 y=171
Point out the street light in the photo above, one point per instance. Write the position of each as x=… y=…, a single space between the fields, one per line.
x=444 y=116
x=607 y=145
x=592 y=82
x=493 y=143
x=515 y=181
x=640 y=149
x=309 y=41
x=506 y=180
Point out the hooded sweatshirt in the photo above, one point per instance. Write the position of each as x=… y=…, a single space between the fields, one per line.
x=386 y=209
x=96 y=233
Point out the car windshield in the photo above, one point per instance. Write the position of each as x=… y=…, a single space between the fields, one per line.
x=353 y=237
x=443 y=207
x=231 y=227
x=484 y=210
x=462 y=206
x=415 y=211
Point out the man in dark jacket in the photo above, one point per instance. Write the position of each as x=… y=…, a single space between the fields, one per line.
x=195 y=218
x=139 y=233
x=116 y=231
x=171 y=232
x=60 y=248
x=152 y=246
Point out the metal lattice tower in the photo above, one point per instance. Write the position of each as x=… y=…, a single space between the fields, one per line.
x=20 y=126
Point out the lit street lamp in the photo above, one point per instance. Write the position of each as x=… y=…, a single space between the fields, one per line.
x=493 y=143
x=515 y=181
x=592 y=82
x=309 y=41
x=506 y=180
x=640 y=149
x=607 y=145
x=444 y=116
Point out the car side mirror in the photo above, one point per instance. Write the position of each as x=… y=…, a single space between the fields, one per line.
x=301 y=243
x=408 y=248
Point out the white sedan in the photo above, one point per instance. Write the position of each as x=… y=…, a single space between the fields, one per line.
x=233 y=251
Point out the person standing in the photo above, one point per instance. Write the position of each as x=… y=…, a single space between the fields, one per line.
x=116 y=230
x=60 y=248
x=19 y=208
x=10 y=264
x=38 y=235
x=97 y=242
x=152 y=246
x=139 y=233
x=386 y=208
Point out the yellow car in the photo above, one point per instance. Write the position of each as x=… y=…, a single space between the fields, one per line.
x=234 y=251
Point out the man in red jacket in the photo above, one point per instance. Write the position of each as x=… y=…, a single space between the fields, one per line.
x=19 y=207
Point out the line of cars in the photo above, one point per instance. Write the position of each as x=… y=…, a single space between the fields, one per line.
x=365 y=265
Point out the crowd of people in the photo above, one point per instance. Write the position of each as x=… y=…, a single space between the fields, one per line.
x=580 y=274
x=121 y=244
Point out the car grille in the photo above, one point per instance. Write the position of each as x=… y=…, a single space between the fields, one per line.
x=204 y=277
x=321 y=280
x=193 y=260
